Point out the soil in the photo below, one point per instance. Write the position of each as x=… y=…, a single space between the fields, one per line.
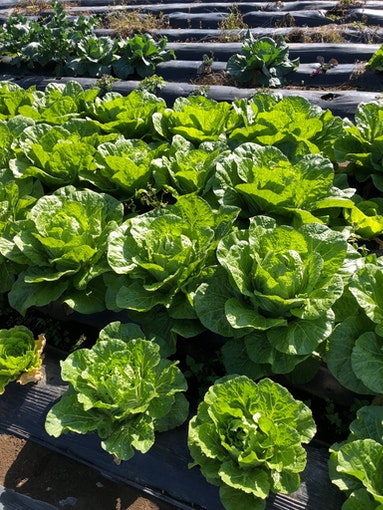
x=33 y=470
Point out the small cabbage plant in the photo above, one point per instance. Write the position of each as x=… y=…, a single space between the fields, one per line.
x=20 y=356
x=247 y=439
x=355 y=465
x=122 y=389
x=261 y=62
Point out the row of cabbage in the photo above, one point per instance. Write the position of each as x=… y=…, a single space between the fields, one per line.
x=256 y=220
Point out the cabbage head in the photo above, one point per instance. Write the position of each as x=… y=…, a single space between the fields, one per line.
x=20 y=356
x=62 y=245
x=121 y=388
x=274 y=289
x=247 y=439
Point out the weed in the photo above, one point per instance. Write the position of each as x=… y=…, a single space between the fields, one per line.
x=206 y=66
x=340 y=418
x=287 y=20
x=37 y=7
x=147 y=199
x=32 y=7
x=202 y=90
x=329 y=34
x=204 y=371
x=341 y=11
x=230 y=25
x=105 y=84
x=152 y=84
x=324 y=66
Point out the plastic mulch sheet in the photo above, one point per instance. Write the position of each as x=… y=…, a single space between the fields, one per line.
x=11 y=500
x=162 y=471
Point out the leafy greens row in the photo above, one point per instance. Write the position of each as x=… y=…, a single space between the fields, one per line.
x=257 y=220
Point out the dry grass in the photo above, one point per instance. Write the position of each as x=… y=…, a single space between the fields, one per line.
x=218 y=78
x=341 y=11
x=37 y=7
x=328 y=34
x=128 y=23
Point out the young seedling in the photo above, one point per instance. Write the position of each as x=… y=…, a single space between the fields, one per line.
x=324 y=66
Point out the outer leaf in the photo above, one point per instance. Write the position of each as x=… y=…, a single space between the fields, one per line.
x=367 y=361
x=136 y=435
x=367 y=287
x=340 y=350
x=363 y=460
x=368 y=424
x=236 y=499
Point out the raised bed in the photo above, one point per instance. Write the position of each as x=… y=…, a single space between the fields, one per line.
x=163 y=471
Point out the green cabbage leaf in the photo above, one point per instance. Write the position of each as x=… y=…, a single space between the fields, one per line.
x=362 y=144
x=196 y=118
x=185 y=168
x=355 y=348
x=262 y=180
x=291 y=123
x=129 y=115
x=122 y=166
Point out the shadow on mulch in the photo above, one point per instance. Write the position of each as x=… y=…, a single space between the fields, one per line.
x=30 y=469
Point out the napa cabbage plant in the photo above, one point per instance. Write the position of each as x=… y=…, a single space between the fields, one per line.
x=196 y=118
x=291 y=123
x=247 y=439
x=161 y=256
x=122 y=167
x=54 y=155
x=355 y=465
x=62 y=245
x=20 y=356
x=262 y=180
x=185 y=168
x=122 y=389
x=361 y=147
x=272 y=293
x=130 y=115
